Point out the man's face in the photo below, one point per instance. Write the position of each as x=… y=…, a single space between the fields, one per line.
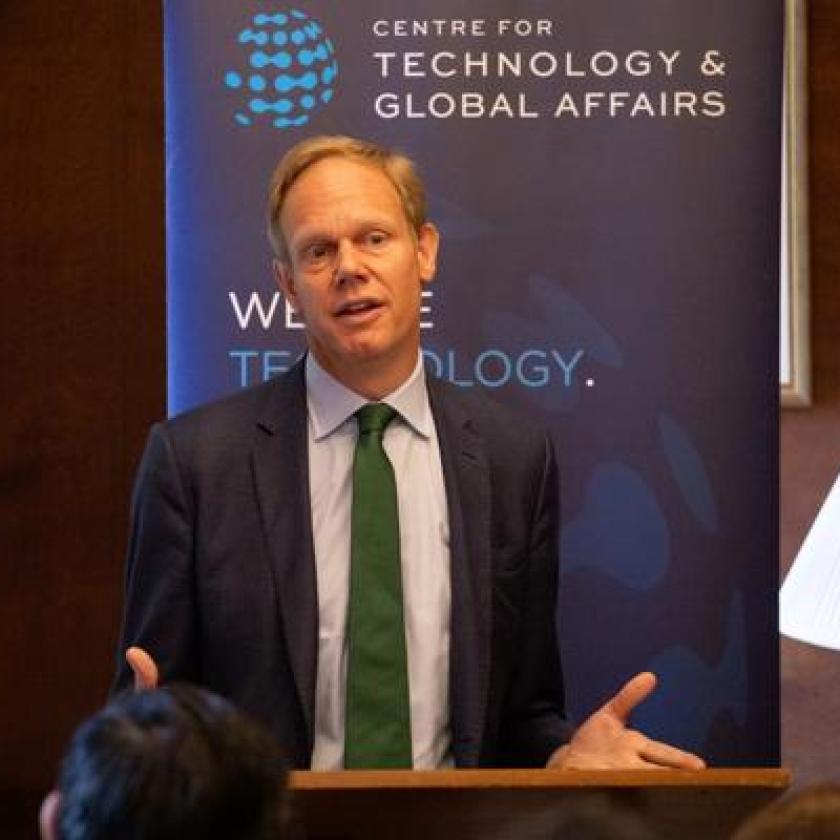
x=355 y=272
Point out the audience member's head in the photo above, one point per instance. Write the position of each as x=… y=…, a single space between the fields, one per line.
x=177 y=762
x=811 y=814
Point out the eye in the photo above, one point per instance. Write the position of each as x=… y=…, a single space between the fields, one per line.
x=315 y=254
x=375 y=238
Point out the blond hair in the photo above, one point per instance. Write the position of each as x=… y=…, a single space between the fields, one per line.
x=396 y=167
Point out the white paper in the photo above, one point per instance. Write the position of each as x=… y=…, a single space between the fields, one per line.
x=809 y=601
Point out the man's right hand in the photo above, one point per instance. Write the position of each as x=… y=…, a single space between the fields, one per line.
x=145 y=670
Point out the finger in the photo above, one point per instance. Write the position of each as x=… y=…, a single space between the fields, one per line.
x=144 y=668
x=634 y=691
x=558 y=757
x=664 y=755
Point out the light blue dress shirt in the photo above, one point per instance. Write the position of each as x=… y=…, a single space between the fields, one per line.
x=412 y=446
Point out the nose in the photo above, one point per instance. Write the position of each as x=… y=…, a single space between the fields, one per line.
x=348 y=263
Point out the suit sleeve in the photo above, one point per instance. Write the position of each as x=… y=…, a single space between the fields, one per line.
x=159 y=611
x=535 y=720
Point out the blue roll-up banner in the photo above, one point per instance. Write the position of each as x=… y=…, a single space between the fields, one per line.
x=605 y=175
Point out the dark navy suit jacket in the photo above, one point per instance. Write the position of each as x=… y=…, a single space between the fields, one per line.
x=221 y=585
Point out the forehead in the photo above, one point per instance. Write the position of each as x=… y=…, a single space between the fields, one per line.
x=340 y=188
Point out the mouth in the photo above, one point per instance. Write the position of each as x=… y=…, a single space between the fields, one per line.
x=358 y=309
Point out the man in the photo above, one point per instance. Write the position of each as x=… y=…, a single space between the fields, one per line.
x=174 y=763
x=239 y=567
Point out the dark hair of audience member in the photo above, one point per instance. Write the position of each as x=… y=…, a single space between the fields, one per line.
x=811 y=814
x=177 y=762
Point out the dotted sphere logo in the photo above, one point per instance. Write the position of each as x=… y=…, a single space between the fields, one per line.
x=292 y=69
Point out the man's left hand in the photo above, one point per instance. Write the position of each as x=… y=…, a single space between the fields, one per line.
x=604 y=741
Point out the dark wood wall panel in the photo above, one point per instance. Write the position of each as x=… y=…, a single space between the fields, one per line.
x=810 y=439
x=82 y=341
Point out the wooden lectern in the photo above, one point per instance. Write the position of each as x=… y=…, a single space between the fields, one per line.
x=467 y=804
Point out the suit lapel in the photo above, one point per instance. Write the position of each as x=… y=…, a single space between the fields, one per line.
x=281 y=475
x=279 y=463
x=467 y=479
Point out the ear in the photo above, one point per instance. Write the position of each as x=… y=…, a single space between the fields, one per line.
x=48 y=816
x=285 y=282
x=428 y=240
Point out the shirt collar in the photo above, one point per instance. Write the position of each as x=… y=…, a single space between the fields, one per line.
x=331 y=404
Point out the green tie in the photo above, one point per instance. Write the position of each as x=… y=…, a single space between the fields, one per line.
x=378 y=723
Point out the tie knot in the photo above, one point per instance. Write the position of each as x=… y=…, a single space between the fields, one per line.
x=374 y=417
